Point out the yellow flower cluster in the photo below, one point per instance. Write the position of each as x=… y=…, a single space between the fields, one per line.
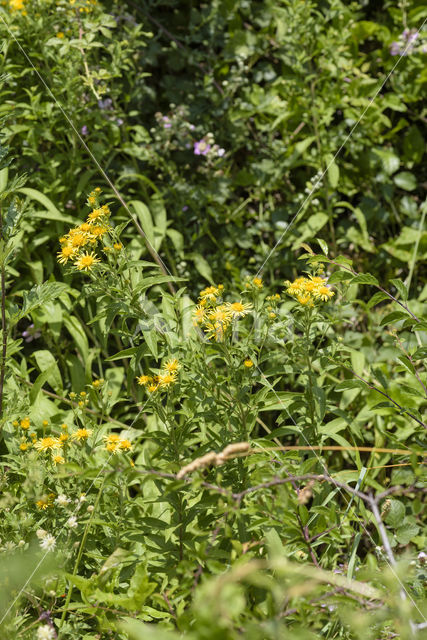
x=114 y=443
x=166 y=378
x=45 y=502
x=215 y=316
x=309 y=290
x=78 y=244
x=17 y=5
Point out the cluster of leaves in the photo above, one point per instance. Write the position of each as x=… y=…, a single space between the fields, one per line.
x=214 y=426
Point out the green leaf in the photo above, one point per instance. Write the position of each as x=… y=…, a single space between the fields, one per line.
x=405 y=180
x=393 y=317
x=51 y=212
x=37 y=297
x=379 y=296
x=396 y=514
x=364 y=278
x=357 y=361
x=339 y=276
x=389 y=160
x=202 y=266
x=46 y=361
x=310 y=228
x=40 y=381
x=401 y=288
x=323 y=245
x=145 y=219
x=333 y=174
x=406 y=533
x=350 y=384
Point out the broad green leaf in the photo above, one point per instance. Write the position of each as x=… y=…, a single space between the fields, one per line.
x=405 y=180
x=364 y=278
x=45 y=360
x=339 y=276
x=333 y=174
x=403 y=291
x=51 y=212
x=396 y=513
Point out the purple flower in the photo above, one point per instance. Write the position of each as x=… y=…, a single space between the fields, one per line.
x=184 y=208
x=119 y=122
x=105 y=104
x=31 y=333
x=395 y=49
x=84 y=130
x=201 y=148
x=347 y=79
x=166 y=122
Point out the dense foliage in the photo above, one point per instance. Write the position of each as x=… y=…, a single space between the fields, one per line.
x=213 y=319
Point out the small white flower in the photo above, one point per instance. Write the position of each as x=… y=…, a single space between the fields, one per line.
x=62 y=500
x=45 y=632
x=72 y=522
x=48 y=542
x=41 y=533
x=90 y=508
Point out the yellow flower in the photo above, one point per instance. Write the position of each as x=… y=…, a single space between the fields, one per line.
x=239 y=309
x=81 y=434
x=25 y=423
x=210 y=293
x=199 y=314
x=85 y=227
x=15 y=423
x=33 y=435
x=49 y=443
x=64 y=426
x=257 y=282
x=324 y=293
x=59 y=34
x=79 y=239
x=65 y=254
x=165 y=380
x=272 y=315
x=152 y=387
x=126 y=445
x=143 y=380
x=45 y=423
x=83 y=394
x=16 y=5
x=63 y=437
x=304 y=299
x=72 y=395
x=24 y=446
x=58 y=459
x=45 y=501
x=221 y=315
x=86 y=261
x=248 y=363
x=98 y=214
x=172 y=365
x=97 y=383
x=117 y=246
x=112 y=442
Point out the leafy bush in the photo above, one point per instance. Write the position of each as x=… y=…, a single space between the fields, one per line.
x=212 y=371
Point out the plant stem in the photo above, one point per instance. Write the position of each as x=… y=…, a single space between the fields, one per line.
x=80 y=553
x=3 y=323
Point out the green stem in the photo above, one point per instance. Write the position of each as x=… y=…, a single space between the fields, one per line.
x=80 y=553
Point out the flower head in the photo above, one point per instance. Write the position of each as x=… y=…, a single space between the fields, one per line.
x=25 y=423
x=48 y=542
x=86 y=261
x=48 y=444
x=46 y=632
x=239 y=309
x=81 y=434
